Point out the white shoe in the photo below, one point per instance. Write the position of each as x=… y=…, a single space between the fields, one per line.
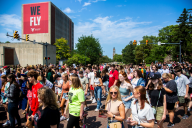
x=67 y=119
x=94 y=101
x=86 y=108
x=96 y=110
x=91 y=98
x=7 y=123
x=62 y=118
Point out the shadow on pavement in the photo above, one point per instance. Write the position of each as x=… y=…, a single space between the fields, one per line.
x=92 y=122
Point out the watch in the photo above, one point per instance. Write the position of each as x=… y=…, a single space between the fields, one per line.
x=113 y=116
x=138 y=123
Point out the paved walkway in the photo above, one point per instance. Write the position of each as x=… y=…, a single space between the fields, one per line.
x=93 y=121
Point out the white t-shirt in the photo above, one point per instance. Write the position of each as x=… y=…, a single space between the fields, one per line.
x=144 y=115
x=91 y=76
x=59 y=82
x=134 y=82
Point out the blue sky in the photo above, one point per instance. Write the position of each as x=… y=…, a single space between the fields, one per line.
x=114 y=22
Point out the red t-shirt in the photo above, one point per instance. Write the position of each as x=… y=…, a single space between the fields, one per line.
x=112 y=77
x=35 y=103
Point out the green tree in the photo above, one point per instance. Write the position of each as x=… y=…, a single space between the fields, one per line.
x=117 y=58
x=62 y=49
x=78 y=59
x=128 y=53
x=90 y=47
x=142 y=52
x=105 y=59
x=7 y=42
x=184 y=32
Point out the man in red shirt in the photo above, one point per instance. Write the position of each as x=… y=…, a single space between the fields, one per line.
x=113 y=76
x=32 y=77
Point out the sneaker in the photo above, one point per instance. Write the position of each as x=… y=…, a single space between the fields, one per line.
x=96 y=110
x=67 y=119
x=155 y=122
x=103 y=96
x=101 y=105
x=170 y=124
x=7 y=123
x=185 y=117
x=86 y=108
x=62 y=118
x=94 y=101
x=91 y=98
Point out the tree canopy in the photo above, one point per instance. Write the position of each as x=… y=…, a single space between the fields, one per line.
x=62 y=49
x=90 y=47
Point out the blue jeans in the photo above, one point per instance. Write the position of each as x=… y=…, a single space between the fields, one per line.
x=13 y=113
x=98 y=93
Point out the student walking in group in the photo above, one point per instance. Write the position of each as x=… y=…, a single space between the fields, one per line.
x=97 y=90
x=115 y=106
x=64 y=94
x=13 y=100
x=183 y=88
x=85 y=84
x=4 y=100
x=171 y=96
x=47 y=116
x=32 y=77
x=158 y=98
x=75 y=103
x=125 y=91
x=105 y=80
x=141 y=112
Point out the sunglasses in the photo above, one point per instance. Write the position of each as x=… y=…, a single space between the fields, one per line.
x=113 y=93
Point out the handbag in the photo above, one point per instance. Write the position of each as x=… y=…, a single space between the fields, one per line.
x=115 y=124
x=154 y=109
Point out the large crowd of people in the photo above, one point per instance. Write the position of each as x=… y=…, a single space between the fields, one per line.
x=49 y=94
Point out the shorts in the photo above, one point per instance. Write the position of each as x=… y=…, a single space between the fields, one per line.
x=170 y=106
x=159 y=112
x=127 y=104
x=30 y=112
x=5 y=106
x=181 y=99
x=190 y=90
x=91 y=87
x=65 y=96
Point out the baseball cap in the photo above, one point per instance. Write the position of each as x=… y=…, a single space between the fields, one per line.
x=153 y=75
x=5 y=67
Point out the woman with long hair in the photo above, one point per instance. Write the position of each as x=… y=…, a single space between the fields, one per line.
x=105 y=81
x=64 y=94
x=171 y=96
x=138 y=80
x=4 y=100
x=158 y=98
x=97 y=89
x=75 y=102
x=13 y=100
x=115 y=106
x=141 y=112
x=125 y=89
x=47 y=116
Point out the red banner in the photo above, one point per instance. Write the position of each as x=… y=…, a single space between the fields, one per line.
x=35 y=18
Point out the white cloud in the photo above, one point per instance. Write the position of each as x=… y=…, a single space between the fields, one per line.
x=87 y=3
x=98 y=0
x=79 y=0
x=13 y=21
x=68 y=10
x=113 y=32
x=119 y=5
